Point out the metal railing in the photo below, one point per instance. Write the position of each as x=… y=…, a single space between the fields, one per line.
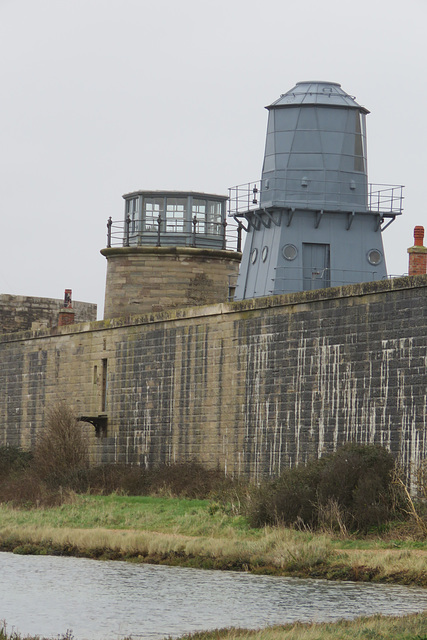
x=385 y=199
x=225 y=235
x=338 y=276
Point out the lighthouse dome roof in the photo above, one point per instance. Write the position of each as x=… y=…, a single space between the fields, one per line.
x=317 y=92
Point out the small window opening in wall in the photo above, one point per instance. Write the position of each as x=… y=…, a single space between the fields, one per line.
x=95 y=374
x=104 y=386
x=104 y=344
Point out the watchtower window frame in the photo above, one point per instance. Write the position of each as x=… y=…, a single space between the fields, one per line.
x=152 y=208
x=132 y=213
x=177 y=212
x=210 y=215
x=176 y=209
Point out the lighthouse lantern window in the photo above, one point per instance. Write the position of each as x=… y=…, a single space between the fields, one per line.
x=153 y=207
x=199 y=211
x=175 y=210
x=214 y=218
x=132 y=209
x=209 y=216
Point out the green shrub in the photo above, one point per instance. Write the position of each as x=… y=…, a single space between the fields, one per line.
x=357 y=480
x=13 y=459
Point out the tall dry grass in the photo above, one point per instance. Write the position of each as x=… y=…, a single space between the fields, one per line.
x=410 y=627
x=277 y=550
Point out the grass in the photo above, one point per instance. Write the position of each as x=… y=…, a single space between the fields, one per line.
x=410 y=627
x=165 y=515
x=201 y=534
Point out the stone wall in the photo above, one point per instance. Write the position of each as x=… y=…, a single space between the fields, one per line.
x=18 y=313
x=254 y=386
x=146 y=279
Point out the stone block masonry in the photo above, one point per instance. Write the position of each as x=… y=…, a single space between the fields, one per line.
x=147 y=279
x=253 y=386
x=20 y=313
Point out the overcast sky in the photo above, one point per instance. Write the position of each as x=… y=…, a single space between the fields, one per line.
x=103 y=97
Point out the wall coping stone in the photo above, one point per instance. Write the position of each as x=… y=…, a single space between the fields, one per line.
x=172 y=250
x=224 y=308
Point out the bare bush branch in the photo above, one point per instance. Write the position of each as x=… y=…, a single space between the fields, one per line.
x=62 y=447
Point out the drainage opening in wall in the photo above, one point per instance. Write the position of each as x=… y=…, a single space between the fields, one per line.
x=99 y=422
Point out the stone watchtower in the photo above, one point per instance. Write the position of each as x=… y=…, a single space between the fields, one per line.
x=173 y=249
x=313 y=220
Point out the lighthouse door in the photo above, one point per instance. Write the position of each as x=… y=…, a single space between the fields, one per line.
x=316 y=266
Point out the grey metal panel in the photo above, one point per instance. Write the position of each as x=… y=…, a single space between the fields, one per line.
x=270 y=144
x=307 y=119
x=270 y=163
x=306 y=161
x=284 y=119
x=272 y=124
x=332 y=143
x=307 y=141
x=333 y=120
x=282 y=160
x=284 y=139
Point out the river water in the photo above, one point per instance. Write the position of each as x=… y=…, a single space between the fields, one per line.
x=97 y=600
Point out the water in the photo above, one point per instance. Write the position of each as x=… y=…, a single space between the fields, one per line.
x=47 y=595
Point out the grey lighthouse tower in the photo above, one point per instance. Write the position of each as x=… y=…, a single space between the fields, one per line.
x=313 y=220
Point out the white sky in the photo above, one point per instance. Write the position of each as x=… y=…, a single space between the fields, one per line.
x=103 y=97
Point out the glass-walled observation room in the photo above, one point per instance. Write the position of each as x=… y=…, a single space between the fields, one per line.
x=175 y=218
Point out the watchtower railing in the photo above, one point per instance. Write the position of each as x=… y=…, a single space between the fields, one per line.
x=226 y=235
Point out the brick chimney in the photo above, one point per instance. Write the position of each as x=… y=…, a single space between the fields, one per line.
x=418 y=254
x=66 y=315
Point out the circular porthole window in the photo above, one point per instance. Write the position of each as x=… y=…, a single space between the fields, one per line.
x=289 y=252
x=264 y=253
x=374 y=256
x=254 y=256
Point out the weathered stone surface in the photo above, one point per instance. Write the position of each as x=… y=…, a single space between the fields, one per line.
x=18 y=313
x=151 y=279
x=254 y=386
